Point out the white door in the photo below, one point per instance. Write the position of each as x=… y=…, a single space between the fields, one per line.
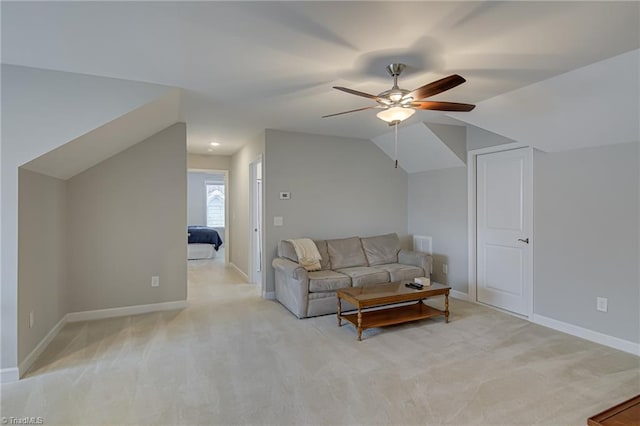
x=504 y=229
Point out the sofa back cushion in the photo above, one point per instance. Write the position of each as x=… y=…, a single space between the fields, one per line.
x=286 y=250
x=381 y=249
x=346 y=253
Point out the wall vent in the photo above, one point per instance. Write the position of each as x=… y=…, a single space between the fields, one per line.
x=423 y=244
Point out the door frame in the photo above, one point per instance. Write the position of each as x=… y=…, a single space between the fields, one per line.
x=225 y=241
x=252 y=275
x=472 y=227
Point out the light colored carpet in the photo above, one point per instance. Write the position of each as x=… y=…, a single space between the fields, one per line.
x=233 y=358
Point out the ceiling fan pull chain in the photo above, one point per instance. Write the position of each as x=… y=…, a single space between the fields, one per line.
x=395 y=155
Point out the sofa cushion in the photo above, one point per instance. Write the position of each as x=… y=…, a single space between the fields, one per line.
x=381 y=249
x=365 y=275
x=346 y=253
x=327 y=281
x=324 y=253
x=286 y=249
x=400 y=272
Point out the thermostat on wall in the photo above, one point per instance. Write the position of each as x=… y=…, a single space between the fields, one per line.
x=285 y=195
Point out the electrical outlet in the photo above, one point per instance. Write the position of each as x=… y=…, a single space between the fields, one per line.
x=155 y=281
x=445 y=268
x=601 y=304
x=32 y=319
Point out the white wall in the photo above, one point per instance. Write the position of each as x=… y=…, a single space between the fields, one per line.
x=238 y=244
x=586 y=238
x=42 y=110
x=438 y=208
x=127 y=222
x=42 y=262
x=340 y=187
x=196 y=197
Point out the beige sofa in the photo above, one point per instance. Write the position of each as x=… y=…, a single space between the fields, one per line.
x=347 y=262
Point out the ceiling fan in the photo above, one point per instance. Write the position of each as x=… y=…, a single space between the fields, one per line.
x=399 y=104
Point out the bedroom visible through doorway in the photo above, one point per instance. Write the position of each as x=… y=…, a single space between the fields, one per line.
x=207 y=215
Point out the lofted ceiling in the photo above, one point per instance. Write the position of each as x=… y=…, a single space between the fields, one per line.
x=247 y=66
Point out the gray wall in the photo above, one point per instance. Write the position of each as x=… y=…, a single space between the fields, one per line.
x=586 y=232
x=438 y=208
x=196 y=212
x=586 y=238
x=339 y=187
x=208 y=162
x=42 y=110
x=478 y=138
x=238 y=244
x=42 y=257
x=127 y=221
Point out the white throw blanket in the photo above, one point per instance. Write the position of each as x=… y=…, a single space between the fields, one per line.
x=308 y=254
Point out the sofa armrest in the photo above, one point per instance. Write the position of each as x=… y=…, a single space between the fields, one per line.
x=292 y=286
x=289 y=268
x=415 y=258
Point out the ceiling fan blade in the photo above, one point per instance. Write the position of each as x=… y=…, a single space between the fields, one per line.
x=436 y=87
x=442 y=106
x=357 y=93
x=353 y=110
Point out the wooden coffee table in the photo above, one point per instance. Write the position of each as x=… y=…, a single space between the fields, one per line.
x=389 y=294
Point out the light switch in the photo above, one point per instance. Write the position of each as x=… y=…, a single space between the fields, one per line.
x=277 y=221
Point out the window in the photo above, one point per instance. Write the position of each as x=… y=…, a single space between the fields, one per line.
x=215 y=204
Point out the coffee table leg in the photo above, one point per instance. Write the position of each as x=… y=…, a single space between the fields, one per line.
x=339 y=313
x=446 y=307
x=359 y=325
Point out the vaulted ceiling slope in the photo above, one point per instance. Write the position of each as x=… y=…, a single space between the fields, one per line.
x=247 y=66
x=595 y=105
x=423 y=147
x=44 y=110
x=109 y=139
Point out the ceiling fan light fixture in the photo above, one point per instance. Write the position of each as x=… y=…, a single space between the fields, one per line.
x=395 y=96
x=395 y=114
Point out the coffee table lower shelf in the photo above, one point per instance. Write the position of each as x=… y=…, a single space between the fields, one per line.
x=391 y=316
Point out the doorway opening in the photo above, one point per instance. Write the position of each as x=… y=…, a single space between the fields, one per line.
x=207 y=207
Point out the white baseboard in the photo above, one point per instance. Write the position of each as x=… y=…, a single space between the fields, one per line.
x=245 y=276
x=26 y=363
x=271 y=295
x=125 y=311
x=593 y=336
x=459 y=295
x=9 y=375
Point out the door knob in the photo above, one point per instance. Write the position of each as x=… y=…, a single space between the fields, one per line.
x=526 y=240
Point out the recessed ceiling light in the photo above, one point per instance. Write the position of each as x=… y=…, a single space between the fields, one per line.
x=214 y=144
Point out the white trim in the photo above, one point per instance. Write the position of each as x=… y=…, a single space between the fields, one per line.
x=26 y=363
x=459 y=295
x=252 y=276
x=584 y=333
x=472 y=220
x=9 y=375
x=271 y=295
x=240 y=271
x=125 y=311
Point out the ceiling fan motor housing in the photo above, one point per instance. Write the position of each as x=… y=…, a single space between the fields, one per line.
x=395 y=69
